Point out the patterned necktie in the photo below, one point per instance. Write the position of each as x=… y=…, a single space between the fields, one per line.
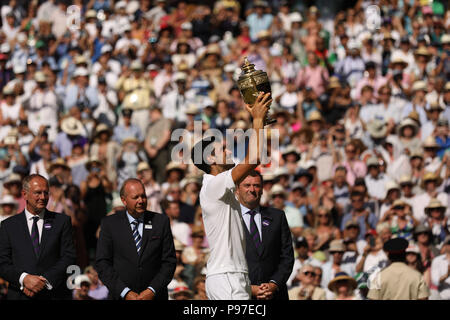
x=35 y=236
x=254 y=232
x=136 y=236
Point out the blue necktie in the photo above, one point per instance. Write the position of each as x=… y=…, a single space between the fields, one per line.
x=35 y=236
x=254 y=233
x=136 y=236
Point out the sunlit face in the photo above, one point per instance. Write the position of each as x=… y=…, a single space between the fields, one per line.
x=134 y=198
x=249 y=191
x=37 y=196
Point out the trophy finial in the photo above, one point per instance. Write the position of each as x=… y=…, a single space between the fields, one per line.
x=247 y=66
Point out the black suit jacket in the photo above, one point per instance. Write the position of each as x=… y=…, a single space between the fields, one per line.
x=118 y=263
x=277 y=258
x=57 y=252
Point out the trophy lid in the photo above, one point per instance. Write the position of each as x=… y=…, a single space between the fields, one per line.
x=247 y=67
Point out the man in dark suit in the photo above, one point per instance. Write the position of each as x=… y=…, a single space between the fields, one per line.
x=135 y=251
x=36 y=247
x=269 y=252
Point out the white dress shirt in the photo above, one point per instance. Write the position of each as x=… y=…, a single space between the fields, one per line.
x=439 y=268
x=40 y=224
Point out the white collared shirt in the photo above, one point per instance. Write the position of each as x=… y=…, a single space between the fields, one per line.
x=40 y=222
x=246 y=216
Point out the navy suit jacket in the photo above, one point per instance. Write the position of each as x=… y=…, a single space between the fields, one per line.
x=57 y=252
x=277 y=258
x=120 y=266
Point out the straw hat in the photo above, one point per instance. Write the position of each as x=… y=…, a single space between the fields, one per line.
x=277 y=189
x=82 y=278
x=314 y=116
x=58 y=162
x=101 y=128
x=91 y=161
x=377 y=128
x=342 y=276
x=430 y=176
x=142 y=166
x=13 y=178
x=290 y=149
x=179 y=246
x=172 y=165
x=422 y=51
x=9 y=199
x=435 y=204
x=192 y=109
x=408 y=123
x=430 y=142
x=416 y=153
x=405 y=179
x=197 y=231
x=136 y=65
x=399 y=61
x=334 y=83
x=336 y=246
x=72 y=126
x=391 y=185
x=419 y=85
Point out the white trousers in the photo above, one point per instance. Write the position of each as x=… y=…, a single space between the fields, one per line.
x=228 y=286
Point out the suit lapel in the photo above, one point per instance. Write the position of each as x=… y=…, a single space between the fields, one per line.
x=26 y=233
x=147 y=230
x=266 y=226
x=47 y=229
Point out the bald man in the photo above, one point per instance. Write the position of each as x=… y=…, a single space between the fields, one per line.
x=36 y=247
x=135 y=251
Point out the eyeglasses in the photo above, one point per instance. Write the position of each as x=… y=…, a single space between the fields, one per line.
x=309 y=273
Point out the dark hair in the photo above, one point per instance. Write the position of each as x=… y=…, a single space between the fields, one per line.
x=252 y=173
x=199 y=148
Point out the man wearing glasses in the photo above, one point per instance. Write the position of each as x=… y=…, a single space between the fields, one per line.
x=308 y=288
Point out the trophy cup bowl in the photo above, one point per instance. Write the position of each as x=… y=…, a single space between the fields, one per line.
x=251 y=82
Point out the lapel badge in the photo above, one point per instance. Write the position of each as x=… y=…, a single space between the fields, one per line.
x=148 y=226
x=266 y=222
x=47 y=225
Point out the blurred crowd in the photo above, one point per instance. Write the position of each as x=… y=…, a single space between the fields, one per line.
x=362 y=110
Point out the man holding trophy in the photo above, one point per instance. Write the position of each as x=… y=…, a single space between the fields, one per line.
x=227 y=271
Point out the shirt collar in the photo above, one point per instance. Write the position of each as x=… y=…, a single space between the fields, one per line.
x=131 y=218
x=245 y=210
x=29 y=215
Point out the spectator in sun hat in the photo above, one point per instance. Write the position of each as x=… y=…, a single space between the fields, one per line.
x=82 y=285
x=13 y=186
x=436 y=220
x=375 y=180
x=152 y=189
x=433 y=113
x=72 y=132
x=431 y=161
x=430 y=182
x=343 y=287
x=8 y=207
x=336 y=251
x=442 y=138
x=423 y=238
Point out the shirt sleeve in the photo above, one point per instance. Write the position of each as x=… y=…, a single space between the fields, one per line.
x=217 y=186
x=424 y=291
x=22 y=277
x=124 y=292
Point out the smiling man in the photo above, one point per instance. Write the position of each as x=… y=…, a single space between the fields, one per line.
x=135 y=252
x=36 y=247
x=269 y=252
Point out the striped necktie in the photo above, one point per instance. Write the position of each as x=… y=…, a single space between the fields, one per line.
x=136 y=236
x=254 y=232
x=35 y=236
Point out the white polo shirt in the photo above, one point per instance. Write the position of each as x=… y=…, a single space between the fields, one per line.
x=223 y=224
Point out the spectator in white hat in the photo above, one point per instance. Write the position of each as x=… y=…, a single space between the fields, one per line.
x=440 y=271
x=8 y=207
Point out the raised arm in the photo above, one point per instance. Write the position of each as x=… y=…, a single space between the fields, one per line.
x=253 y=153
